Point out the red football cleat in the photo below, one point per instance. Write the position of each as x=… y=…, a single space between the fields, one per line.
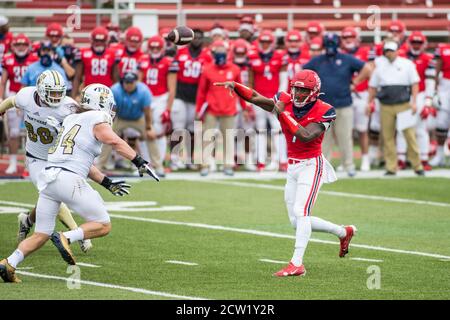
x=351 y=230
x=291 y=270
x=283 y=167
x=426 y=166
x=260 y=167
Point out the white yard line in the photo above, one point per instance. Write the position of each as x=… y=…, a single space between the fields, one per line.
x=110 y=286
x=256 y=232
x=87 y=265
x=273 y=261
x=335 y=193
x=182 y=262
x=274 y=235
x=365 y=259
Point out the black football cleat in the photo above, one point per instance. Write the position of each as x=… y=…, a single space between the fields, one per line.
x=62 y=244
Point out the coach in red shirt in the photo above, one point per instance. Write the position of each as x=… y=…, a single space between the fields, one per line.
x=215 y=104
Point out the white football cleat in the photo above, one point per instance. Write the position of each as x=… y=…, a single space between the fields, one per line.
x=437 y=161
x=12 y=168
x=365 y=163
x=85 y=245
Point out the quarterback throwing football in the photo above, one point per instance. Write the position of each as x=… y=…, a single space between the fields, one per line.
x=304 y=119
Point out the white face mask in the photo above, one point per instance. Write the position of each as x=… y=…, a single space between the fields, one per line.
x=350 y=45
x=21 y=54
x=240 y=60
x=131 y=49
x=293 y=50
x=156 y=55
x=98 y=48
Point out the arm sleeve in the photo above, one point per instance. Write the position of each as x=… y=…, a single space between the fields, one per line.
x=282 y=96
x=201 y=92
x=328 y=117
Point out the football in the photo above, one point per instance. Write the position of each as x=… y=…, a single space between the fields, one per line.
x=181 y=35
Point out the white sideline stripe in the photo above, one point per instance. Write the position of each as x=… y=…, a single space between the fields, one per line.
x=364 y=259
x=24 y=268
x=87 y=265
x=274 y=235
x=19 y=204
x=111 y=286
x=273 y=261
x=182 y=262
x=336 y=193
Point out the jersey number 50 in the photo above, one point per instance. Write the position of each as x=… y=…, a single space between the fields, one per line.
x=192 y=69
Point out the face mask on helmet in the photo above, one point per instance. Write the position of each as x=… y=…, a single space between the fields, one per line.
x=349 y=43
x=300 y=96
x=156 y=52
x=55 y=96
x=99 y=46
x=239 y=58
x=416 y=47
x=51 y=88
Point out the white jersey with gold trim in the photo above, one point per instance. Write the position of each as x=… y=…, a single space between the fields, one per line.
x=76 y=146
x=40 y=135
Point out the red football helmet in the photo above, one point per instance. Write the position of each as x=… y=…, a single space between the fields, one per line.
x=113 y=32
x=349 y=38
x=133 y=39
x=54 y=32
x=314 y=29
x=417 y=42
x=293 y=41
x=305 y=87
x=21 y=45
x=266 y=41
x=240 y=49
x=99 y=39
x=156 y=46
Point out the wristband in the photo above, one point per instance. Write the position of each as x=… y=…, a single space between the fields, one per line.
x=289 y=122
x=245 y=92
x=106 y=182
x=138 y=161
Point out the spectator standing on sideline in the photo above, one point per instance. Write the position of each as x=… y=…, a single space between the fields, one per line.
x=336 y=71
x=395 y=82
x=133 y=99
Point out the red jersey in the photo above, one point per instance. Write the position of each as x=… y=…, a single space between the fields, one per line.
x=155 y=73
x=5 y=44
x=219 y=101
x=304 y=49
x=16 y=68
x=443 y=53
x=362 y=53
x=266 y=73
x=129 y=61
x=425 y=67
x=189 y=67
x=97 y=68
x=294 y=65
x=317 y=111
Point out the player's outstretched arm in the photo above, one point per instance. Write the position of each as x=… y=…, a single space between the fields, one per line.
x=7 y=104
x=105 y=134
x=116 y=187
x=248 y=94
x=304 y=134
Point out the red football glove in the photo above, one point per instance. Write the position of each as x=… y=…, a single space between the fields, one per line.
x=425 y=112
x=165 y=116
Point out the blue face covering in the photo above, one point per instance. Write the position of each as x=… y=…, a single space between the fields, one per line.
x=220 y=58
x=331 y=44
x=46 y=60
x=2 y=35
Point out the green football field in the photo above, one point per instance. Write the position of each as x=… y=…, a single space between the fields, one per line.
x=212 y=239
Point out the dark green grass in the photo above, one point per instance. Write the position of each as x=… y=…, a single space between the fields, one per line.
x=134 y=254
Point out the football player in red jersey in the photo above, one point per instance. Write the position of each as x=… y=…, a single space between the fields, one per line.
x=97 y=63
x=313 y=29
x=239 y=56
x=190 y=60
x=351 y=44
x=246 y=28
x=316 y=47
x=442 y=56
x=131 y=54
x=159 y=73
x=396 y=32
x=170 y=48
x=54 y=33
x=417 y=43
x=5 y=36
x=296 y=57
x=304 y=118
x=14 y=66
x=113 y=34
x=269 y=76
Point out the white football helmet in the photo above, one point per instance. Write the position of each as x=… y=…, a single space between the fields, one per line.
x=51 y=88
x=97 y=96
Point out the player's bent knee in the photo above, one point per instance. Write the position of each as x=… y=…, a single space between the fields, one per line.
x=106 y=229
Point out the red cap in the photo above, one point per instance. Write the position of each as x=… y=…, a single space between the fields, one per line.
x=417 y=36
x=99 y=33
x=293 y=35
x=133 y=34
x=21 y=39
x=396 y=26
x=349 y=32
x=315 y=27
x=266 y=35
x=54 y=29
